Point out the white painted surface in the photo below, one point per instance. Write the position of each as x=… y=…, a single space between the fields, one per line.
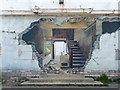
x=46 y=59
x=104 y=58
x=17 y=23
x=16 y=57
x=59 y=48
x=28 y=4
x=13 y=59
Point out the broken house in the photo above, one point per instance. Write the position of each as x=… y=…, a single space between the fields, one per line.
x=73 y=37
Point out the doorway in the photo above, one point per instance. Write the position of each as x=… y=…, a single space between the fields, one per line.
x=60 y=46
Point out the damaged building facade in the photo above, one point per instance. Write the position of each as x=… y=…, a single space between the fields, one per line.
x=71 y=35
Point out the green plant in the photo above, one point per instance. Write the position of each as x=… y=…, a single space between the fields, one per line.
x=0 y=79
x=116 y=80
x=104 y=79
x=4 y=81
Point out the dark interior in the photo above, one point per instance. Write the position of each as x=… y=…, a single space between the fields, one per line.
x=64 y=33
x=110 y=27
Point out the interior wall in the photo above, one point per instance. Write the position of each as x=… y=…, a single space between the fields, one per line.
x=85 y=39
x=43 y=31
x=47 y=27
x=35 y=36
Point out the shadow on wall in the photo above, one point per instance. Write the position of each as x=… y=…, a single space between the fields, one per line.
x=86 y=38
x=110 y=27
x=34 y=37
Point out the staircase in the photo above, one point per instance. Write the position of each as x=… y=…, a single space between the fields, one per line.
x=77 y=58
x=60 y=79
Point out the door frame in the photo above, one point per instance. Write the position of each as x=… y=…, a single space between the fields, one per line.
x=58 y=40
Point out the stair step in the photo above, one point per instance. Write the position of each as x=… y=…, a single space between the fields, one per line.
x=74 y=45
x=78 y=58
x=72 y=41
x=78 y=55
x=76 y=62
x=76 y=49
x=60 y=80
x=78 y=65
x=77 y=52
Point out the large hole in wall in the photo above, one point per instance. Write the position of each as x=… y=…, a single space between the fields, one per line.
x=34 y=35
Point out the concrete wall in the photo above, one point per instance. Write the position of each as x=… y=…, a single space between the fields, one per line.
x=104 y=58
x=15 y=56
x=35 y=37
x=98 y=27
x=47 y=27
x=28 y=4
x=85 y=39
x=12 y=26
x=43 y=31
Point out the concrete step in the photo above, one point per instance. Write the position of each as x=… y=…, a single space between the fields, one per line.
x=78 y=65
x=78 y=62
x=74 y=47
x=77 y=52
x=61 y=80
x=67 y=76
x=61 y=83
x=82 y=60
x=72 y=41
x=77 y=55
x=79 y=58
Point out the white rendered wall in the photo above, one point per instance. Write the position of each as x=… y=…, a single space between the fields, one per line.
x=105 y=57
x=14 y=56
x=13 y=59
x=28 y=4
x=59 y=49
